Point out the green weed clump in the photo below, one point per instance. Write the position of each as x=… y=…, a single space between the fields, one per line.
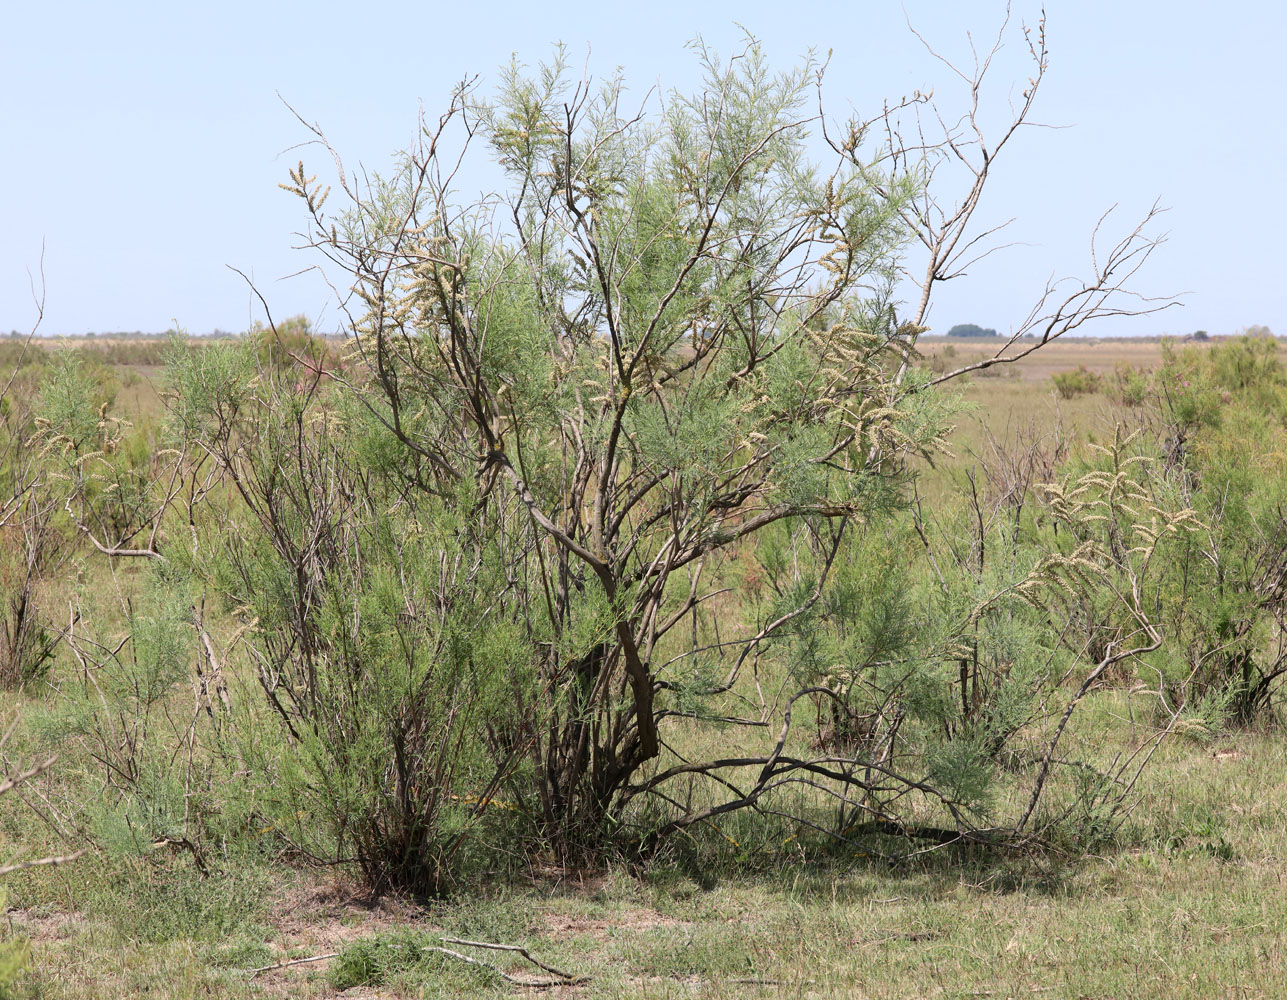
x=392 y=958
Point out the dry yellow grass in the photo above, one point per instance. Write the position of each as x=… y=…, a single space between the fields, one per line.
x=1061 y=355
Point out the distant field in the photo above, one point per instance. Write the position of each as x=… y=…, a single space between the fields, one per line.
x=1060 y=355
x=1006 y=402
x=1004 y=399
x=1015 y=406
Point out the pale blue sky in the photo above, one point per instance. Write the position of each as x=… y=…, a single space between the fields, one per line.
x=143 y=142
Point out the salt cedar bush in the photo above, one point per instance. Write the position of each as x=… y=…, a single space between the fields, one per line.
x=494 y=568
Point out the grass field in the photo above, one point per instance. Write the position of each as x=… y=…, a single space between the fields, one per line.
x=1188 y=901
x=1191 y=905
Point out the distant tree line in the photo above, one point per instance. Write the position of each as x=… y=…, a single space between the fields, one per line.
x=971 y=330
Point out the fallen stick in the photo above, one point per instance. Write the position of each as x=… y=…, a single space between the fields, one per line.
x=515 y=948
x=294 y=961
x=531 y=984
x=752 y=981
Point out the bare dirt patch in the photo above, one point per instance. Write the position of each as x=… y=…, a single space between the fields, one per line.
x=42 y=927
x=323 y=918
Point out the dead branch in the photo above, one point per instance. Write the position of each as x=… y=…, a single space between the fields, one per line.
x=108 y=550
x=514 y=948
x=294 y=961
x=30 y=773
x=535 y=984
x=41 y=862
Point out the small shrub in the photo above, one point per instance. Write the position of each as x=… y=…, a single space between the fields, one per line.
x=291 y=343
x=1190 y=399
x=1226 y=438
x=26 y=645
x=1129 y=385
x=371 y=622
x=1247 y=363
x=1076 y=383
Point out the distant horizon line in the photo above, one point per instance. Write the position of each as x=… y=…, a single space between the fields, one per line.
x=218 y=333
